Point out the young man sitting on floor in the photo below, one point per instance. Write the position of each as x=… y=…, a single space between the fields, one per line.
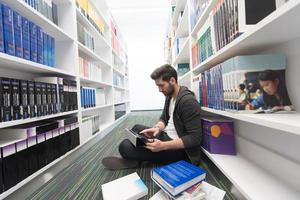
x=177 y=135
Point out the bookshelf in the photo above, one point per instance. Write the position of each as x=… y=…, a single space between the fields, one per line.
x=68 y=51
x=267 y=163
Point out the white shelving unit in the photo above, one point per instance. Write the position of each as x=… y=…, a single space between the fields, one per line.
x=68 y=50
x=267 y=163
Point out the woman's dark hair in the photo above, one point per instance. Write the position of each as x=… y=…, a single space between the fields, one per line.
x=271 y=100
x=268 y=75
x=166 y=72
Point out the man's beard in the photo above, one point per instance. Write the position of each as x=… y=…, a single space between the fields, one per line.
x=170 y=91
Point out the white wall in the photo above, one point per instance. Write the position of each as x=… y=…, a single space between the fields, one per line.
x=143 y=29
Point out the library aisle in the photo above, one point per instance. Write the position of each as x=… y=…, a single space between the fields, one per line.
x=82 y=179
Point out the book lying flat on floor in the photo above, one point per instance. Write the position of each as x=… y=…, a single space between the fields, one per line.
x=129 y=187
x=177 y=177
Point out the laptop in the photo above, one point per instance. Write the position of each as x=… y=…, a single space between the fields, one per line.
x=135 y=138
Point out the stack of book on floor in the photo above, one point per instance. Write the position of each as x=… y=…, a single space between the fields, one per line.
x=180 y=180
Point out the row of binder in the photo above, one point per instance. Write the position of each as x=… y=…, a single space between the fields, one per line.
x=31 y=147
x=24 y=39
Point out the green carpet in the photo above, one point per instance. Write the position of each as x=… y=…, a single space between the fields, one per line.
x=83 y=178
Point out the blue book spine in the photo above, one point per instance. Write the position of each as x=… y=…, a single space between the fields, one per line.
x=52 y=52
x=49 y=50
x=81 y=96
x=45 y=48
x=1 y=31
x=94 y=97
x=18 y=34
x=25 y=38
x=40 y=50
x=7 y=17
x=84 y=97
x=33 y=41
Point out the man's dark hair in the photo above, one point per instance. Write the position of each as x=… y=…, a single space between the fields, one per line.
x=268 y=75
x=166 y=72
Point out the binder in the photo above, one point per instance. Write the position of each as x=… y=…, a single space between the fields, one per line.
x=55 y=143
x=49 y=149
x=25 y=38
x=22 y=160
x=5 y=96
x=7 y=17
x=40 y=43
x=33 y=41
x=32 y=150
x=38 y=98
x=24 y=99
x=41 y=153
x=17 y=22
x=32 y=99
x=66 y=94
x=1 y=175
x=75 y=141
x=44 y=99
x=15 y=100
x=49 y=99
x=9 y=165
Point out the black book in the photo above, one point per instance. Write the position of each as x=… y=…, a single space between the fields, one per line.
x=32 y=151
x=256 y=10
x=44 y=99
x=1 y=176
x=54 y=98
x=38 y=98
x=66 y=93
x=49 y=147
x=15 y=100
x=41 y=153
x=54 y=13
x=74 y=103
x=5 y=99
x=32 y=99
x=55 y=144
x=24 y=100
x=9 y=166
x=75 y=139
x=49 y=99
x=22 y=160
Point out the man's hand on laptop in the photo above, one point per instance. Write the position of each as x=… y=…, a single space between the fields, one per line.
x=150 y=132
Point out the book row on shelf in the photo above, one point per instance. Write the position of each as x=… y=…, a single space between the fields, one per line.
x=227 y=20
x=46 y=7
x=118 y=80
x=90 y=12
x=91 y=97
x=253 y=82
x=90 y=70
x=91 y=124
x=116 y=41
x=21 y=99
x=85 y=37
x=27 y=148
x=120 y=110
x=24 y=39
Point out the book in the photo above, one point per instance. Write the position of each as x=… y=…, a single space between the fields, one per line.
x=32 y=99
x=1 y=32
x=5 y=99
x=40 y=43
x=135 y=188
x=176 y=177
x=15 y=100
x=38 y=98
x=17 y=21
x=45 y=49
x=9 y=42
x=9 y=164
x=24 y=99
x=44 y=106
x=218 y=135
x=33 y=41
x=25 y=38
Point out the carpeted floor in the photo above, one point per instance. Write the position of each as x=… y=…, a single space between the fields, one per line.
x=83 y=178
